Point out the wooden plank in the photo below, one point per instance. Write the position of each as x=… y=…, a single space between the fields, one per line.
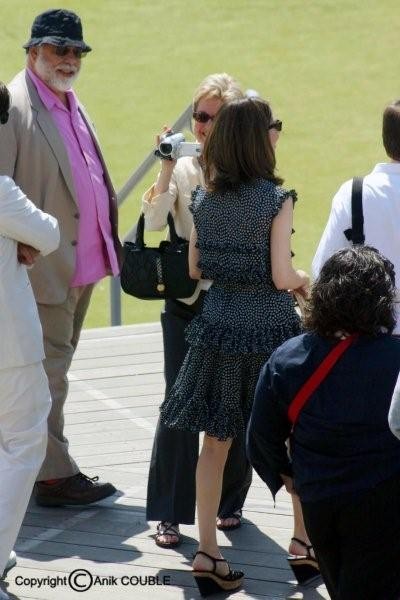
x=91 y=361
x=116 y=426
x=104 y=447
x=129 y=402
x=83 y=414
x=93 y=437
x=137 y=393
x=105 y=333
x=145 y=382
x=116 y=458
x=120 y=332
x=118 y=371
x=138 y=348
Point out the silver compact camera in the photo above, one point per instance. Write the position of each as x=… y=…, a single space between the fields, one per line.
x=173 y=146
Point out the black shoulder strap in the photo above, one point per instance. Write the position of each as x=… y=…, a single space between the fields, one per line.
x=356 y=233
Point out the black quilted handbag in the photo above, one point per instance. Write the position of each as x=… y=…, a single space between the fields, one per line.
x=156 y=273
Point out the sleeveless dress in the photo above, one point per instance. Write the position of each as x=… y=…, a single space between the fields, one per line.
x=244 y=317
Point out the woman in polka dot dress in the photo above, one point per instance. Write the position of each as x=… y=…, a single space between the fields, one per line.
x=241 y=241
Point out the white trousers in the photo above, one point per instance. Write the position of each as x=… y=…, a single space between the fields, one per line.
x=24 y=407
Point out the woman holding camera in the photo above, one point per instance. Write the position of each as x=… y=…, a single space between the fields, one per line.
x=344 y=462
x=241 y=241
x=171 y=485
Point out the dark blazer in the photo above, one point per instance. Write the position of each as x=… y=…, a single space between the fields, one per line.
x=341 y=443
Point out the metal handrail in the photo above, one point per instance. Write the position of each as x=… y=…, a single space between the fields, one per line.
x=182 y=122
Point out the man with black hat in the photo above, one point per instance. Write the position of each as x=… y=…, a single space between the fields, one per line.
x=50 y=149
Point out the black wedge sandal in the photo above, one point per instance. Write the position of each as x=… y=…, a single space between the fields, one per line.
x=305 y=568
x=209 y=582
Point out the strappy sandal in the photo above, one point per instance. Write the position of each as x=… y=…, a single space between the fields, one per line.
x=166 y=528
x=235 y=515
x=305 y=568
x=209 y=582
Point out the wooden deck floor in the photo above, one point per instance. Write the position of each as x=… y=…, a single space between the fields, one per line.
x=116 y=385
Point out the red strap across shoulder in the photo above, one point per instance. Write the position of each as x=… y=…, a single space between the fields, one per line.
x=312 y=383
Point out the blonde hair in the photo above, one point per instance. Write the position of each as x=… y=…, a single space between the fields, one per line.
x=220 y=86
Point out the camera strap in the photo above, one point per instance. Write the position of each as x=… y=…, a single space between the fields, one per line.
x=356 y=233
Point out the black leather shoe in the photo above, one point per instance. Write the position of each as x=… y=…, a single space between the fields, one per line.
x=75 y=490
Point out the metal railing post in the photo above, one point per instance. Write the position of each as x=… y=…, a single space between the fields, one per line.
x=115 y=285
x=115 y=301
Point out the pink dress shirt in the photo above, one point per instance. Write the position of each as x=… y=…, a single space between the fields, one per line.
x=95 y=252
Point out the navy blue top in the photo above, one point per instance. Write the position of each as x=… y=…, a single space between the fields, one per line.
x=341 y=443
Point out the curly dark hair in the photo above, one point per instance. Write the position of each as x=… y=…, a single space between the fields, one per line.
x=354 y=293
x=4 y=103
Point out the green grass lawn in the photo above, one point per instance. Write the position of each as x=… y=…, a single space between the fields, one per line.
x=327 y=66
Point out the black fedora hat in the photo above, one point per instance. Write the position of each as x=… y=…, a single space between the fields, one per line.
x=59 y=27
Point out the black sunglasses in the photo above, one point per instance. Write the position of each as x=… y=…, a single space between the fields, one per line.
x=64 y=50
x=202 y=117
x=277 y=124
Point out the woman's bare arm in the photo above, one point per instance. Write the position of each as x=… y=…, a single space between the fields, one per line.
x=284 y=276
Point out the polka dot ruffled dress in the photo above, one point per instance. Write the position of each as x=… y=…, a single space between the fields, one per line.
x=244 y=316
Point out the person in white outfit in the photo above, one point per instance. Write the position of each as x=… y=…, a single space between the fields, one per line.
x=380 y=203
x=24 y=393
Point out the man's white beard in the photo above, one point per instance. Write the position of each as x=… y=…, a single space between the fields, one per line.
x=49 y=75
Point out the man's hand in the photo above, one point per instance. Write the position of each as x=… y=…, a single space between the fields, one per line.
x=304 y=289
x=26 y=254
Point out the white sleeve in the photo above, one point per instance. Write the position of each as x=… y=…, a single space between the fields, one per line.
x=22 y=221
x=394 y=412
x=156 y=208
x=339 y=220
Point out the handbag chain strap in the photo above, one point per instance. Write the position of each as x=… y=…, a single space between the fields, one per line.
x=160 y=279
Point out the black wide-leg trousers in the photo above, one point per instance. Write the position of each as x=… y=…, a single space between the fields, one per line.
x=357 y=542
x=171 y=490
